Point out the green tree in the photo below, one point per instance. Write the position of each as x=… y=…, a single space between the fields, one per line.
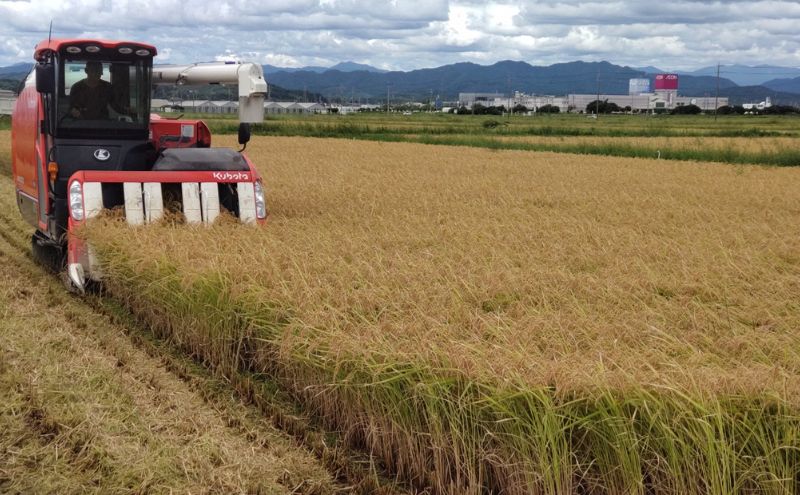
x=549 y=109
x=602 y=106
x=687 y=110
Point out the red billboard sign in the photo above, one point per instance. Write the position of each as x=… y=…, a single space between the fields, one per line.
x=666 y=82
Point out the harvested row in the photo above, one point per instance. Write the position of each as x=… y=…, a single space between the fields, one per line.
x=504 y=321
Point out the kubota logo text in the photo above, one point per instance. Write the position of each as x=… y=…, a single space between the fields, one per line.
x=237 y=176
x=102 y=154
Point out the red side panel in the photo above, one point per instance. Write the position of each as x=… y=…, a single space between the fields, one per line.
x=23 y=141
x=28 y=152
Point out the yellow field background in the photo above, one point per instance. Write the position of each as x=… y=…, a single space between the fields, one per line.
x=508 y=321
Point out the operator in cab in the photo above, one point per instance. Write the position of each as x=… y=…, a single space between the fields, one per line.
x=89 y=97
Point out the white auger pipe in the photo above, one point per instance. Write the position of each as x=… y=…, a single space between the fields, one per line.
x=248 y=76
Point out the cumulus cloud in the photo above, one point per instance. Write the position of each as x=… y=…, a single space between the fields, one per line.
x=408 y=34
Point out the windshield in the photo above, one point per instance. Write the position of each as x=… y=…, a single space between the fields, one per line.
x=100 y=95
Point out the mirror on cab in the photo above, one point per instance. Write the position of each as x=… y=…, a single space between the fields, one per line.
x=45 y=78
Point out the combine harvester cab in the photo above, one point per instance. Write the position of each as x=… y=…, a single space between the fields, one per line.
x=83 y=140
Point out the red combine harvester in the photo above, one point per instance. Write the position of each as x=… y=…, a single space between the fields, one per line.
x=83 y=139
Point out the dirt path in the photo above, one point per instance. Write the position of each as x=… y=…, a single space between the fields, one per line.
x=84 y=409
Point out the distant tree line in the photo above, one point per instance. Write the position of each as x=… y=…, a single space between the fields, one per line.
x=605 y=106
x=773 y=110
x=478 y=109
x=10 y=84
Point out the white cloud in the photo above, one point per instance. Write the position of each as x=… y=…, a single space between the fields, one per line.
x=407 y=34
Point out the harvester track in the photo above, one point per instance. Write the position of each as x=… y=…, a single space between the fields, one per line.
x=252 y=417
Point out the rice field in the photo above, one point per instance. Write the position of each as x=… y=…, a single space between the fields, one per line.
x=755 y=145
x=763 y=140
x=504 y=321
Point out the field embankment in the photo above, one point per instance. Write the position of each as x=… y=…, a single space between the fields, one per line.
x=505 y=321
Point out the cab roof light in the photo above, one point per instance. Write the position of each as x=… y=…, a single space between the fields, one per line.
x=73 y=49
x=92 y=49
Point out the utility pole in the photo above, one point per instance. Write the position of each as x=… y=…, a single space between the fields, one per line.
x=716 y=98
x=387 y=98
x=508 y=100
x=597 y=103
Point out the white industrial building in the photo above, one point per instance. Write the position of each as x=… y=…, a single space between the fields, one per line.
x=647 y=101
x=758 y=106
x=638 y=86
x=232 y=107
x=656 y=101
x=346 y=109
x=485 y=99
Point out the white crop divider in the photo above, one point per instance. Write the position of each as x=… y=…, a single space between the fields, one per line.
x=153 y=201
x=209 y=199
x=191 y=202
x=95 y=271
x=247 y=201
x=92 y=199
x=134 y=206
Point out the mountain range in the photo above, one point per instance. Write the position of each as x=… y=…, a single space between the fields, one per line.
x=508 y=76
x=745 y=75
x=350 y=81
x=341 y=66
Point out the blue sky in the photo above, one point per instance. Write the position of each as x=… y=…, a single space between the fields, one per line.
x=409 y=34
